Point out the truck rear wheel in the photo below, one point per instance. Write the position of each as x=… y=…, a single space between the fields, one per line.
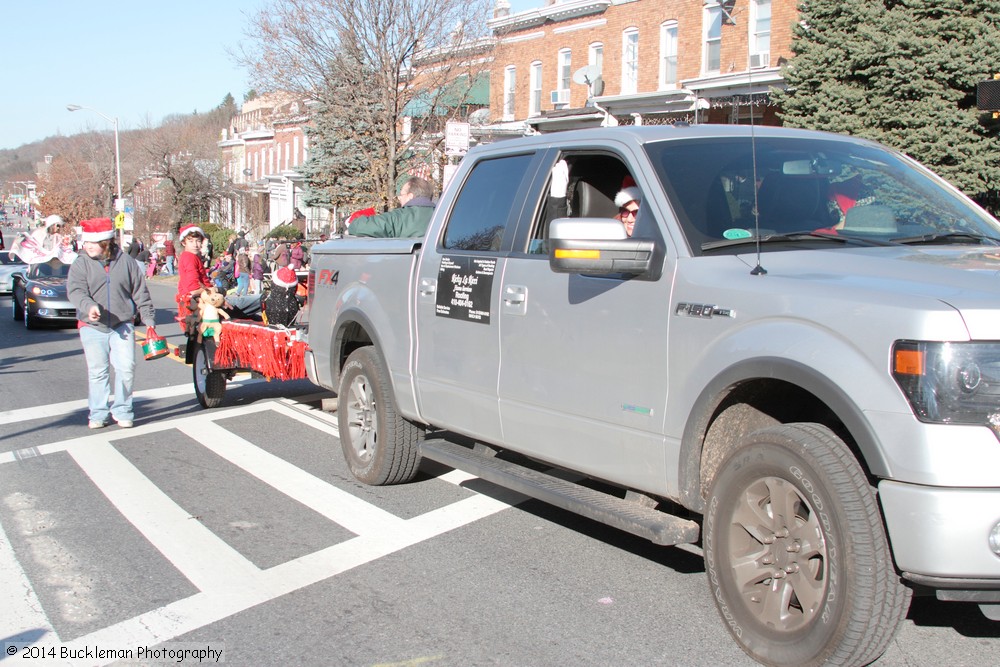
x=796 y=554
x=380 y=446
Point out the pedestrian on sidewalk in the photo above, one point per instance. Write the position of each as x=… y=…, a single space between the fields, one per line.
x=242 y=271
x=108 y=289
x=170 y=252
x=257 y=274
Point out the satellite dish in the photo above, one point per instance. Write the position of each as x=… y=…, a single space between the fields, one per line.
x=597 y=87
x=586 y=75
x=247 y=172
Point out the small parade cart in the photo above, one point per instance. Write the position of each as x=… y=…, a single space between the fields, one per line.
x=273 y=353
x=246 y=343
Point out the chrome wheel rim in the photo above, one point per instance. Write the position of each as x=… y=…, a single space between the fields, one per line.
x=362 y=419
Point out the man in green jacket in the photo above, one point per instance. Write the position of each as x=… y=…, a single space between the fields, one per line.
x=409 y=220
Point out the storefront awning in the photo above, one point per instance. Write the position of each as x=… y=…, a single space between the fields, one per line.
x=443 y=100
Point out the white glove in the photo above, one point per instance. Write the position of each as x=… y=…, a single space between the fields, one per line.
x=560 y=179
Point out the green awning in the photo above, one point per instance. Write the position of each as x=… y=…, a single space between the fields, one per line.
x=441 y=101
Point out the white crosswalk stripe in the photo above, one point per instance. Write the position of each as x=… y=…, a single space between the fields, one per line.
x=228 y=582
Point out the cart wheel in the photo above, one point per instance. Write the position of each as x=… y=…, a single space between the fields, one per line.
x=209 y=386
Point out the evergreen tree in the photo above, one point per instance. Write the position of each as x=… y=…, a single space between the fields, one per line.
x=339 y=169
x=904 y=73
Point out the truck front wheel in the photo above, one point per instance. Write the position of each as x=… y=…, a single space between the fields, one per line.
x=380 y=446
x=796 y=554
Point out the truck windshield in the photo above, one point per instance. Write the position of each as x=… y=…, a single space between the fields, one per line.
x=827 y=186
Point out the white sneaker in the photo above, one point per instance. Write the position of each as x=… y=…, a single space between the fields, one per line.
x=93 y=424
x=124 y=423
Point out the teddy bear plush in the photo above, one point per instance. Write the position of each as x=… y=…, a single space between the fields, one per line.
x=209 y=313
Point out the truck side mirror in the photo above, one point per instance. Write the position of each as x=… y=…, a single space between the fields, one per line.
x=598 y=246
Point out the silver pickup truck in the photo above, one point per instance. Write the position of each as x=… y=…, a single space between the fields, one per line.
x=793 y=361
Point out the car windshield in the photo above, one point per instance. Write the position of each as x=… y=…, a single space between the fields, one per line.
x=50 y=269
x=857 y=191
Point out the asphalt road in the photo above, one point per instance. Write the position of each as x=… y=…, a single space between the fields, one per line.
x=241 y=528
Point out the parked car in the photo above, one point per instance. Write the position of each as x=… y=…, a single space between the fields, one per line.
x=39 y=295
x=8 y=267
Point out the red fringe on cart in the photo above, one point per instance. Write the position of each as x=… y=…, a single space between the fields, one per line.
x=272 y=352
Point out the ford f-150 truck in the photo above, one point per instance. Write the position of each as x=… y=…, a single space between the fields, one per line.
x=793 y=361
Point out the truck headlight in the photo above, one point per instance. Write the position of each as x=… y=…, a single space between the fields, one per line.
x=950 y=383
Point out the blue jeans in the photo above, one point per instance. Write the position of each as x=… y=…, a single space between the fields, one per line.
x=170 y=264
x=104 y=351
x=242 y=283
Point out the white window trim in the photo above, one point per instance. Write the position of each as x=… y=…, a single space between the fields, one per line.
x=592 y=53
x=535 y=86
x=705 y=24
x=509 y=81
x=630 y=78
x=665 y=29
x=568 y=55
x=753 y=32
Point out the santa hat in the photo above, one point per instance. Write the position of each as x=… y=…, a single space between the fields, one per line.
x=96 y=229
x=53 y=221
x=625 y=195
x=190 y=229
x=361 y=213
x=285 y=277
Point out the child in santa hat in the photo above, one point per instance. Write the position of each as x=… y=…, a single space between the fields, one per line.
x=192 y=277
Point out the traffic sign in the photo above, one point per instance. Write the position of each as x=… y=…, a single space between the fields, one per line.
x=456 y=138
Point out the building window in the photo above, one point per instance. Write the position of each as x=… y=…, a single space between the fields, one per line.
x=630 y=61
x=760 y=33
x=509 y=81
x=668 y=54
x=535 y=83
x=711 y=63
x=295 y=160
x=595 y=55
x=565 y=71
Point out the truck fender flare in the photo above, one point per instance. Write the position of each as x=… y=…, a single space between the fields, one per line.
x=344 y=319
x=772 y=368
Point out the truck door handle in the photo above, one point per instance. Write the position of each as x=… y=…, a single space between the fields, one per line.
x=427 y=287
x=514 y=295
x=515 y=300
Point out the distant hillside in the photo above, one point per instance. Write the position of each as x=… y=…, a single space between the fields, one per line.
x=18 y=164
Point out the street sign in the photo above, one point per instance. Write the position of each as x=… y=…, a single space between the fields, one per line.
x=456 y=138
x=120 y=221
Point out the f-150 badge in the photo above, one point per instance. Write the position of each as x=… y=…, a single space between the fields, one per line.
x=704 y=311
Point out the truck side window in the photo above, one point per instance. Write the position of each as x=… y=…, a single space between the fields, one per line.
x=594 y=180
x=481 y=211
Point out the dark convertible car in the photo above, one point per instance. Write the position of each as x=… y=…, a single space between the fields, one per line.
x=39 y=295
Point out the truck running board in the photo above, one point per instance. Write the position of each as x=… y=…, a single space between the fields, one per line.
x=658 y=527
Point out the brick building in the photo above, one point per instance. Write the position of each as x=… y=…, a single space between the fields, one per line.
x=262 y=150
x=647 y=61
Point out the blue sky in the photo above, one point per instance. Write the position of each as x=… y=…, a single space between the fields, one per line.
x=137 y=60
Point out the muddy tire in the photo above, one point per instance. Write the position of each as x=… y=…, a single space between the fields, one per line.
x=796 y=553
x=380 y=446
